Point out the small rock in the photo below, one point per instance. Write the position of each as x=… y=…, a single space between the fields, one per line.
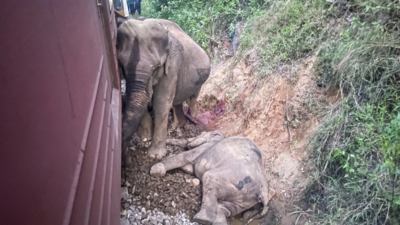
x=123 y=213
x=133 y=190
x=124 y=193
x=195 y=182
x=173 y=204
x=185 y=195
x=124 y=221
x=147 y=206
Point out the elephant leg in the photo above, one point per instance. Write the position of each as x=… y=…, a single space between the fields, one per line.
x=179 y=117
x=222 y=213
x=209 y=209
x=177 y=161
x=144 y=130
x=163 y=96
x=178 y=142
x=192 y=102
x=174 y=124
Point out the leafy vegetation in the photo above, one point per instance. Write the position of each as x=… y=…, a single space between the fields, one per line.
x=287 y=31
x=204 y=21
x=356 y=150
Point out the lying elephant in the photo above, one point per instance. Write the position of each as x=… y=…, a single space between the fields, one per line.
x=230 y=169
x=162 y=66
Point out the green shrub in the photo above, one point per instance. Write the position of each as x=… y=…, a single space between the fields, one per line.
x=287 y=31
x=357 y=148
x=204 y=21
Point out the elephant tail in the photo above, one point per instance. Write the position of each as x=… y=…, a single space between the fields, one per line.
x=262 y=198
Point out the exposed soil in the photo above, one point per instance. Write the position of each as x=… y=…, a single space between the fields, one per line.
x=274 y=111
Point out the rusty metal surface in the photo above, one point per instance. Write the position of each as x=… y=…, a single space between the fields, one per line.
x=60 y=148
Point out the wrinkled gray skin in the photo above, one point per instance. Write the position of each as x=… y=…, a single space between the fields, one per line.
x=231 y=171
x=163 y=67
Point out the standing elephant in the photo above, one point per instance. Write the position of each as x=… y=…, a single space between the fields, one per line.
x=162 y=66
x=231 y=171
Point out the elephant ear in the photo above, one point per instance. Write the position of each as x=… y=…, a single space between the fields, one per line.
x=175 y=56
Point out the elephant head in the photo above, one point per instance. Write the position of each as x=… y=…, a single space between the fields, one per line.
x=143 y=49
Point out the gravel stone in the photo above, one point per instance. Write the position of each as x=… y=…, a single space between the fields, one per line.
x=168 y=200
x=124 y=193
x=124 y=221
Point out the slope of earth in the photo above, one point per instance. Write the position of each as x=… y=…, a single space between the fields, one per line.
x=275 y=112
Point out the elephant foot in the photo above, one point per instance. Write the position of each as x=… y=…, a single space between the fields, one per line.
x=193 y=113
x=182 y=123
x=174 y=125
x=145 y=137
x=203 y=217
x=158 y=170
x=178 y=124
x=157 y=153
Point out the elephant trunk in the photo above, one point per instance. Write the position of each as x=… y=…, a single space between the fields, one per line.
x=137 y=100
x=135 y=109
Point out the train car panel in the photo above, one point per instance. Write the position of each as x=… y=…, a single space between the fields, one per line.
x=60 y=114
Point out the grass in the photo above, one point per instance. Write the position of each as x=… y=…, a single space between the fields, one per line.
x=356 y=150
x=287 y=31
x=205 y=21
x=357 y=147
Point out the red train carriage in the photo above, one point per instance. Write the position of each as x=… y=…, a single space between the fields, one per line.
x=60 y=112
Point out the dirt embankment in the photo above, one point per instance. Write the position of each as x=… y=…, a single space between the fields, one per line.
x=275 y=112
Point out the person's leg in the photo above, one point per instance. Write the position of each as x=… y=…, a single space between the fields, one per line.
x=132 y=9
